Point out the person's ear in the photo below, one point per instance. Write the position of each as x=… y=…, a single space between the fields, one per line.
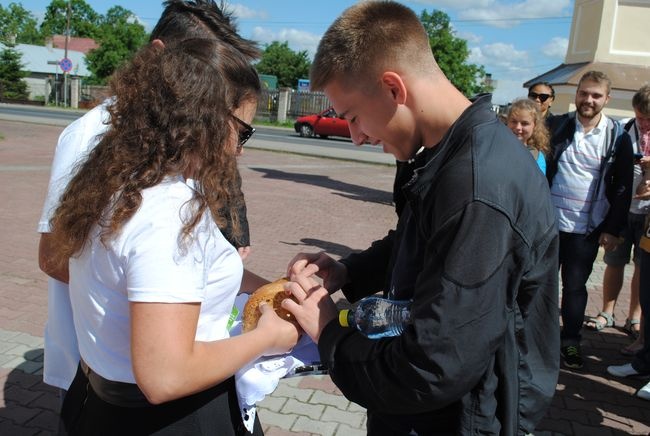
x=394 y=84
x=158 y=43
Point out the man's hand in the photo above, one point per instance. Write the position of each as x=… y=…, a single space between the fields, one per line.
x=643 y=190
x=333 y=273
x=315 y=308
x=608 y=242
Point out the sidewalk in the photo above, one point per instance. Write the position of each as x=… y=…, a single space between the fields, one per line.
x=295 y=203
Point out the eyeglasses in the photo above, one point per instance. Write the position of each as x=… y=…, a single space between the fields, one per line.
x=245 y=133
x=542 y=97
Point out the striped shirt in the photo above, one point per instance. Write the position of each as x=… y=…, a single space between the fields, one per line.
x=577 y=177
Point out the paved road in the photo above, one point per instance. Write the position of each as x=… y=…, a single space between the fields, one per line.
x=296 y=203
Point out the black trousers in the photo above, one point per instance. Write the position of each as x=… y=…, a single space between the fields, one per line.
x=641 y=361
x=212 y=412
x=577 y=256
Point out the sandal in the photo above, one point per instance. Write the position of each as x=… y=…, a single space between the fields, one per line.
x=594 y=324
x=629 y=327
x=631 y=349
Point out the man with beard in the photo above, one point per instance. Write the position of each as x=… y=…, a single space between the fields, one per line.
x=590 y=175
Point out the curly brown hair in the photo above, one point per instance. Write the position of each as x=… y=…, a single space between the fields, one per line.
x=541 y=138
x=173 y=114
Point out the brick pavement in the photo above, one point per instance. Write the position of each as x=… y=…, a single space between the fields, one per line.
x=295 y=203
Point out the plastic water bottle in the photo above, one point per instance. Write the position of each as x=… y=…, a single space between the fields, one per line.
x=377 y=317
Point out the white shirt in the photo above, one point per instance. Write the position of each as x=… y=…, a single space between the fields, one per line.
x=578 y=173
x=60 y=347
x=144 y=263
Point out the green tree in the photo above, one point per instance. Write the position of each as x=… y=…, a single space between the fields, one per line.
x=119 y=36
x=18 y=25
x=84 y=21
x=12 y=83
x=289 y=66
x=451 y=53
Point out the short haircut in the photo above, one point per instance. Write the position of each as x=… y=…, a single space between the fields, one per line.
x=530 y=88
x=366 y=38
x=641 y=100
x=201 y=19
x=598 y=77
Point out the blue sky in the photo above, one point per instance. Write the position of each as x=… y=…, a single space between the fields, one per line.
x=514 y=40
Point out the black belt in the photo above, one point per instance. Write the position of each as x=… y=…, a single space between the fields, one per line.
x=116 y=393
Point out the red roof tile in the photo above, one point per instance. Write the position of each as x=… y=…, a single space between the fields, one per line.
x=83 y=45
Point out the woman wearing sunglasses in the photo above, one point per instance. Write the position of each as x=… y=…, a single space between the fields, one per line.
x=543 y=94
x=152 y=278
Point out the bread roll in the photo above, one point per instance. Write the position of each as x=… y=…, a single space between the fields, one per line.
x=272 y=293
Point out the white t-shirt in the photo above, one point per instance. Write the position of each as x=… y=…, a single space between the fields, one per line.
x=144 y=263
x=578 y=173
x=61 y=351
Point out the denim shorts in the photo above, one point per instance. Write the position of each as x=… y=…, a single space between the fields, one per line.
x=632 y=233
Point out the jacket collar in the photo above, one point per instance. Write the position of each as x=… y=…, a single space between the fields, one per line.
x=428 y=161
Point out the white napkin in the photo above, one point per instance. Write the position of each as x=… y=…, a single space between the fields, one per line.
x=261 y=377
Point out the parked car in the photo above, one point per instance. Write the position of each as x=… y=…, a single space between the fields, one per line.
x=324 y=124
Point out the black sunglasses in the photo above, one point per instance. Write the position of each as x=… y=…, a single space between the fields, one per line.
x=245 y=133
x=542 y=97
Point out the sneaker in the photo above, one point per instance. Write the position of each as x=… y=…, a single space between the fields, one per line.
x=644 y=392
x=624 y=371
x=572 y=356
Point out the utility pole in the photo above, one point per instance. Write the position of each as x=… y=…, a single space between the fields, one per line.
x=67 y=37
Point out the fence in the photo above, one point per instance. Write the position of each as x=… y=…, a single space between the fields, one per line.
x=298 y=103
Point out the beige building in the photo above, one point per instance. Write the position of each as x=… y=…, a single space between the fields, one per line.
x=612 y=36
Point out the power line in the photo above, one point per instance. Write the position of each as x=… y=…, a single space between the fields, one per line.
x=482 y=20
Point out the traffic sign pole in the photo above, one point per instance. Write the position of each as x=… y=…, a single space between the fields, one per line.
x=66 y=65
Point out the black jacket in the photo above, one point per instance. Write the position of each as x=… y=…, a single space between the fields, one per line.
x=616 y=171
x=476 y=249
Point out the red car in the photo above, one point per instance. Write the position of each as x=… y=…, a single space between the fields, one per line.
x=323 y=124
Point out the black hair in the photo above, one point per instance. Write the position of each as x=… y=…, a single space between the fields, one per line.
x=530 y=88
x=201 y=19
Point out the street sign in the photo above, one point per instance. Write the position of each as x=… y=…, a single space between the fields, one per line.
x=66 y=65
x=303 y=85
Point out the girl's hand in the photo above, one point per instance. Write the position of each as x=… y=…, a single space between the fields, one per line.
x=283 y=335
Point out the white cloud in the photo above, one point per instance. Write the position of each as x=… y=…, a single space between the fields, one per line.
x=499 y=56
x=508 y=90
x=508 y=66
x=471 y=38
x=242 y=12
x=556 y=48
x=298 y=40
x=501 y=13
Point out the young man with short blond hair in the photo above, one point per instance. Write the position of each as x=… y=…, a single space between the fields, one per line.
x=475 y=247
